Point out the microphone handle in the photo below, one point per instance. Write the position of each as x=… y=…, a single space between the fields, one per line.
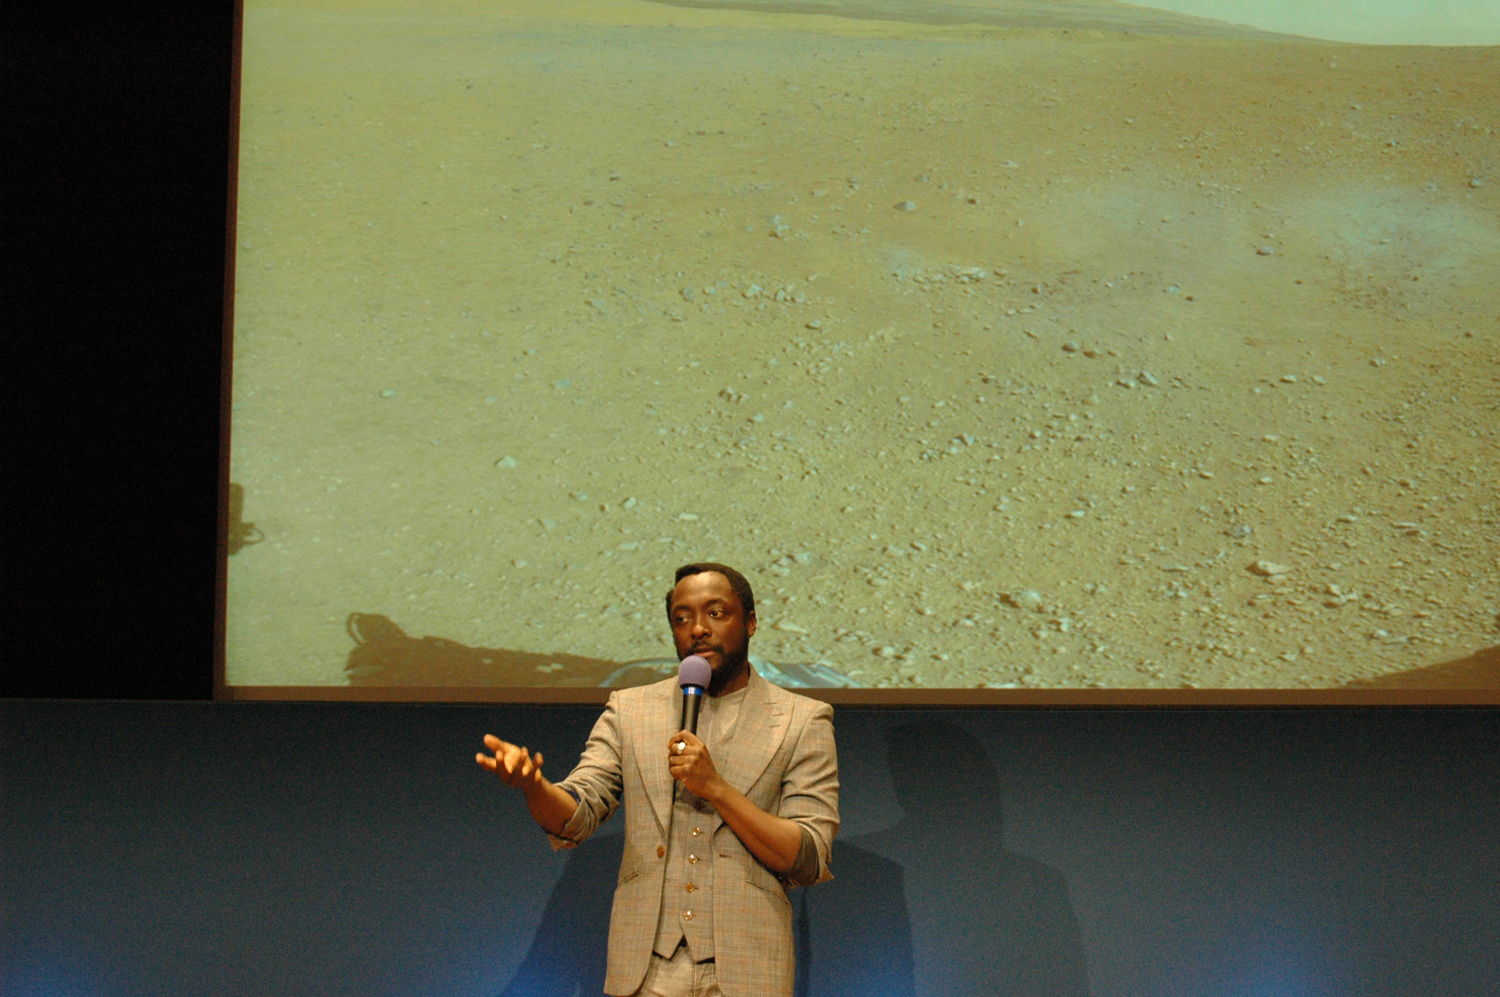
x=692 y=701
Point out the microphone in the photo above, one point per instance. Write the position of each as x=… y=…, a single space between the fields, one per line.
x=693 y=676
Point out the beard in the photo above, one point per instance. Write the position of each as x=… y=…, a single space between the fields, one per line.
x=731 y=666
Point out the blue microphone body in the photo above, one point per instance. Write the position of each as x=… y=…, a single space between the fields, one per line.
x=693 y=677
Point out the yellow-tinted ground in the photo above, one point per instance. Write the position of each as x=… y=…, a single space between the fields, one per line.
x=992 y=356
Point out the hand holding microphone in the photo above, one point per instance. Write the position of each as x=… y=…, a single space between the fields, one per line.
x=687 y=757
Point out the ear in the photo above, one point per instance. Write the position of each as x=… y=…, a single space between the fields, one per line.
x=750 y=625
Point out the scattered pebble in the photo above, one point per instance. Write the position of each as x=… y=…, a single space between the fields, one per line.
x=506 y=462
x=1147 y=379
x=1265 y=251
x=388 y=393
x=1268 y=569
x=1078 y=514
x=688 y=294
x=687 y=517
x=1071 y=347
x=1026 y=599
x=1238 y=531
x=1289 y=378
x=906 y=206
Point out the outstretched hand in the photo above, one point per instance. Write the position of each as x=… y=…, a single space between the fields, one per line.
x=514 y=765
x=692 y=766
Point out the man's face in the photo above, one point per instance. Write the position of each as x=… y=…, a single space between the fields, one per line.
x=707 y=620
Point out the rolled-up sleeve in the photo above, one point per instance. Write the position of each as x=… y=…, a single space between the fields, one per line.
x=595 y=782
x=810 y=796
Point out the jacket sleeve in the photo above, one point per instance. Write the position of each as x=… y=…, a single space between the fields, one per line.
x=596 y=781
x=810 y=794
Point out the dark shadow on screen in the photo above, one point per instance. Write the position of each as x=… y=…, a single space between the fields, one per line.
x=239 y=534
x=1480 y=670
x=384 y=654
x=983 y=920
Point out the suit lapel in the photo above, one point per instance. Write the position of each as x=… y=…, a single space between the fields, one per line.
x=661 y=716
x=757 y=734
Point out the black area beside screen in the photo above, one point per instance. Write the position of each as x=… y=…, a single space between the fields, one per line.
x=118 y=121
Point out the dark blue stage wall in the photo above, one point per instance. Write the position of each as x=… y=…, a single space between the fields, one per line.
x=270 y=849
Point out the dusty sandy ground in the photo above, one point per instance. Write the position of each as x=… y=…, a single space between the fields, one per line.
x=993 y=356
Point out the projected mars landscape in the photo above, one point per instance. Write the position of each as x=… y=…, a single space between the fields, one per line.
x=1016 y=346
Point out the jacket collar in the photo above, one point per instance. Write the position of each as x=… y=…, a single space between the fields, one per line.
x=761 y=727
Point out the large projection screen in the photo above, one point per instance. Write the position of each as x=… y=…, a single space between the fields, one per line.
x=1007 y=345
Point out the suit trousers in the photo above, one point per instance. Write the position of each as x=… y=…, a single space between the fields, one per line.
x=680 y=976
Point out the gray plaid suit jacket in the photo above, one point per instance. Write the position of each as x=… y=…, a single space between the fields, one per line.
x=782 y=758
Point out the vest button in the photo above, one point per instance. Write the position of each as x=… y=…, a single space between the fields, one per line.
x=660 y=852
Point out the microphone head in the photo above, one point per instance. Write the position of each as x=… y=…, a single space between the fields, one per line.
x=694 y=670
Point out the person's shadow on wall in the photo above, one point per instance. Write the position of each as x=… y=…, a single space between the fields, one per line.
x=934 y=906
x=567 y=955
x=984 y=920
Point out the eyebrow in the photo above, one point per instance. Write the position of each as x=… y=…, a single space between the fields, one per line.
x=715 y=601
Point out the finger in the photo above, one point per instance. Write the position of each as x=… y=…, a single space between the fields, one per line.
x=485 y=761
x=495 y=744
x=508 y=761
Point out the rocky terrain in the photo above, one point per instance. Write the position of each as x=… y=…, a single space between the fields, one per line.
x=994 y=356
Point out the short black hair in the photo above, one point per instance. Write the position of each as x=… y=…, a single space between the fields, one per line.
x=737 y=581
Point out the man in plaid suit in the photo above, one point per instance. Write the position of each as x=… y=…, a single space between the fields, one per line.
x=717 y=825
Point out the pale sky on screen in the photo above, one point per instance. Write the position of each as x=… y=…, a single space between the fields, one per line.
x=1375 y=22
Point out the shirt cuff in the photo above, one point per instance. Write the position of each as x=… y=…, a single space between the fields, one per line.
x=569 y=837
x=804 y=871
